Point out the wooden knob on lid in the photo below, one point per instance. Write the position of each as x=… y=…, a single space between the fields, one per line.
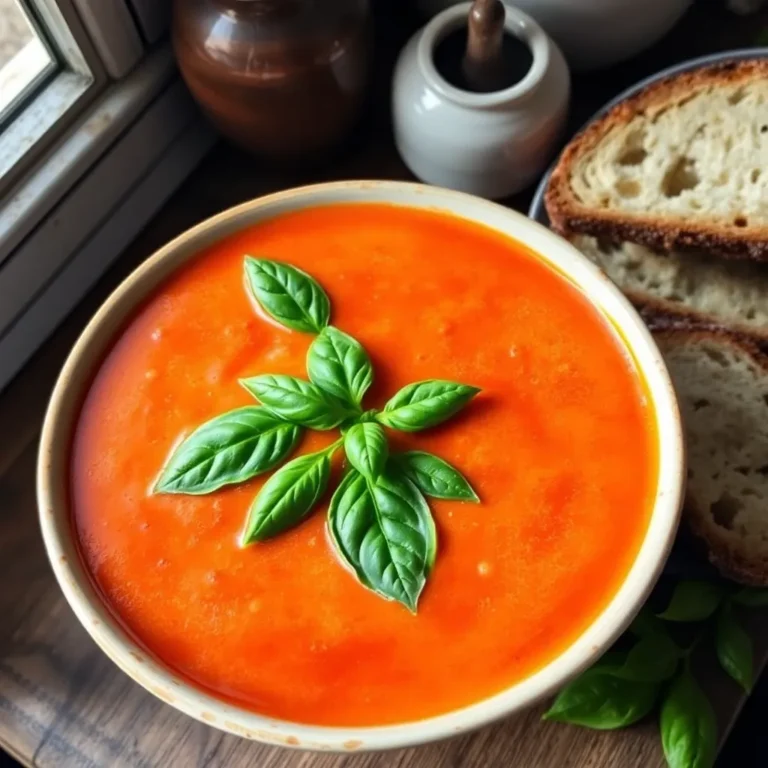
x=483 y=64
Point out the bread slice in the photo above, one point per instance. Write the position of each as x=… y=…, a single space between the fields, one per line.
x=722 y=385
x=681 y=165
x=698 y=289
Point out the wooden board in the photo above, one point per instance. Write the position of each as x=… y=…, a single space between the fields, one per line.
x=63 y=703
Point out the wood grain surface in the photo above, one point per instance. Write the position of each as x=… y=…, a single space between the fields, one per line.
x=63 y=703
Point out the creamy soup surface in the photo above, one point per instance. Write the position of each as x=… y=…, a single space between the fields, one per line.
x=558 y=445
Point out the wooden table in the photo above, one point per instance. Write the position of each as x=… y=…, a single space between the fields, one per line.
x=63 y=703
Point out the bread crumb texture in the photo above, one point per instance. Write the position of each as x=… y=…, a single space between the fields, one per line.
x=722 y=385
x=716 y=291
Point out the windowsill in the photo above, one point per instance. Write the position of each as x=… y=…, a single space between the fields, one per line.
x=42 y=188
x=45 y=113
x=68 y=219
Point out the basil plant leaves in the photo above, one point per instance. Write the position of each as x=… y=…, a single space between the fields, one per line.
x=380 y=523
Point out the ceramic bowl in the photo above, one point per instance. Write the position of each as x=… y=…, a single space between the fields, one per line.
x=594 y=33
x=60 y=541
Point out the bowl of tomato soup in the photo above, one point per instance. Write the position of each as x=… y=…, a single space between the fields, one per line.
x=360 y=465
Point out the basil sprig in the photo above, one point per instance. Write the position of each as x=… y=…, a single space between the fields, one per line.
x=288 y=496
x=653 y=659
x=601 y=700
x=625 y=686
x=367 y=449
x=298 y=401
x=693 y=601
x=425 y=404
x=288 y=295
x=435 y=477
x=734 y=649
x=688 y=725
x=231 y=448
x=384 y=531
x=380 y=523
x=340 y=366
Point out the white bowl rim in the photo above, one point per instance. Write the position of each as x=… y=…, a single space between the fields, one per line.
x=134 y=660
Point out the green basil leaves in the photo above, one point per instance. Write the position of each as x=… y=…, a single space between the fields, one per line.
x=734 y=649
x=693 y=601
x=597 y=699
x=435 y=477
x=288 y=496
x=339 y=365
x=231 y=448
x=367 y=449
x=425 y=404
x=298 y=401
x=624 y=686
x=653 y=658
x=384 y=531
x=380 y=523
x=688 y=725
x=751 y=597
x=288 y=295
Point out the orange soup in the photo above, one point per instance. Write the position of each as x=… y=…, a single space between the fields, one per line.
x=559 y=446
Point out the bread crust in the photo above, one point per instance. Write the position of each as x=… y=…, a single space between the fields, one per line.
x=569 y=216
x=660 y=315
x=731 y=561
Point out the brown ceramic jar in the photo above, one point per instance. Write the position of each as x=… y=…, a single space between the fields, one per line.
x=281 y=78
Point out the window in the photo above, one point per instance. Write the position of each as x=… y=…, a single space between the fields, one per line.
x=49 y=79
x=96 y=131
x=26 y=61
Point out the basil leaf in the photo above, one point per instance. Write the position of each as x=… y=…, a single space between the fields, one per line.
x=611 y=661
x=288 y=496
x=598 y=699
x=425 y=404
x=384 y=531
x=647 y=623
x=288 y=295
x=435 y=477
x=652 y=659
x=693 y=601
x=367 y=449
x=231 y=448
x=297 y=401
x=751 y=597
x=338 y=364
x=688 y=725
x=734 y=650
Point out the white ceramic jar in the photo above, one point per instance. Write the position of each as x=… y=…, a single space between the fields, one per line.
x=594 y=33
x=487 y=144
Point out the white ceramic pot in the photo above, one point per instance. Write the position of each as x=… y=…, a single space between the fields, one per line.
x=487 y=144
x=133 y=659
x=594 y=33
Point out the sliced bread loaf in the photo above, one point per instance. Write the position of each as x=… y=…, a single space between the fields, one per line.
x=722 y=385
x=705 y=290
x=681 y=165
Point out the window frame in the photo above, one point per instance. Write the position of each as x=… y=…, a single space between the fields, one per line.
x=54 y=106
x=33 y=87
x=122 y=141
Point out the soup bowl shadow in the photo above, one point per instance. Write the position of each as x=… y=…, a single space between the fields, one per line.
x=133 y=659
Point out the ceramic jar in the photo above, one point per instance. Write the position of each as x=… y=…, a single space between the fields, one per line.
x=282 y=78
x=594 y=33
x=488 y=144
